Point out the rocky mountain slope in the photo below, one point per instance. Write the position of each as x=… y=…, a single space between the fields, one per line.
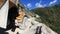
x=30 y=26
x=49 y=16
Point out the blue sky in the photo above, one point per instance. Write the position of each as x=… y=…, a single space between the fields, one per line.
x=31 y=4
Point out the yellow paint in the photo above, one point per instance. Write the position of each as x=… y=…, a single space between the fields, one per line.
x=20 y=17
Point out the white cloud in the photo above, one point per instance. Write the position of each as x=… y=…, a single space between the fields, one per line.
x=52 y=2
x=39 y=5
x=29 y=5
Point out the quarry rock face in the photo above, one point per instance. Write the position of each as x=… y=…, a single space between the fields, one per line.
x=27 y=26
x=30 y=26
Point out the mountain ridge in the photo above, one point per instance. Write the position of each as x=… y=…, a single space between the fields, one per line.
x=50 y=16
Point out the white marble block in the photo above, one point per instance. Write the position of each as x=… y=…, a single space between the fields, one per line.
x=4 y=14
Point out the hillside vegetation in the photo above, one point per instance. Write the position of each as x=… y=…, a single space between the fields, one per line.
x=50 y=16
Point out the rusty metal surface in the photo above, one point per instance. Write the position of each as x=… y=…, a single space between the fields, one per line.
x=2 y=2
x=13 y=2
